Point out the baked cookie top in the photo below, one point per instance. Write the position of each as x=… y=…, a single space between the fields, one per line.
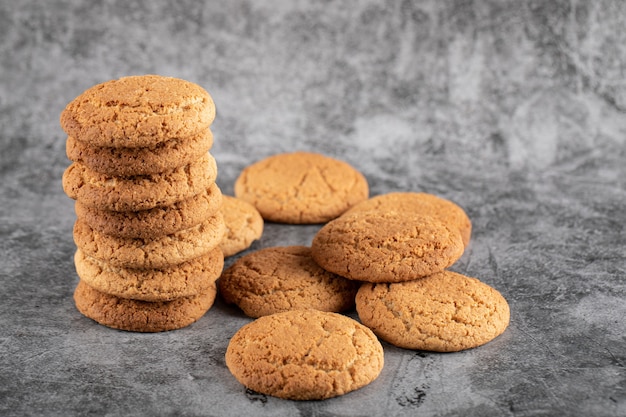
x=277 y=279
x=139 y=192
x=142 y=316
x=123 y=162
x=420 y=203
x=138 y=111
x=154 y=253
x=301 y=187
x=155 y=222
x=244 y=225
x=165 y=284
x=304 y=355
x=444 y=312
x=378 y=246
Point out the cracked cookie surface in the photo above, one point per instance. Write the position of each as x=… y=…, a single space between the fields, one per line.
x=138 y=111
x=304 y=355
x=165 y=284
x=244 y=225
x=277 y=279
x=420 y=203
x=139 y=192
x=386 y=246
x=444 y=312
x=142 y=316
x=301 y=187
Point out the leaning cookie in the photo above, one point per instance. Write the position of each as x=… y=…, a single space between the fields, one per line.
x=444 y=312
x=124 y=162
x=155 y=253
x=142 y=316
x=155 y=222
x=244 y=225
x=386 y=246
x=301 y=187
x=138 y=111
x=183 y=280
x=304 y=355
x=277 y=279
x=420 y=203
x=140 y=192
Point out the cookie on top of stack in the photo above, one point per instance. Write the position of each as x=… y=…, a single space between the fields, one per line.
x=149 y=222
x=399 y=245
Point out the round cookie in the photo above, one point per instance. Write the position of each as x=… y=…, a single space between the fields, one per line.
x=138 y=111
x=141 y=192
x=304 y=355
x=124 y=162
x=151 y=253
x=386 y=246
x=301 y=187
x=277 y=279
x=444 y=312
x=156 y=222
x=244 y=225
x=166 y=284
x=142 y=316
x=420 y=203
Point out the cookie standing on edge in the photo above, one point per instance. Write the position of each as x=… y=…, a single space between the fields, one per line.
x=420 y=203
x=244 y=225
x=444 y=312
x=277 y=279
x=301 y=187
x=386 y=247
x=304 y=355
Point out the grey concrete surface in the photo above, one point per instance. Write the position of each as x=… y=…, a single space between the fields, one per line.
x=513 y=109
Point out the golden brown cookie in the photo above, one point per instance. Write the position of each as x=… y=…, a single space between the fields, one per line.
x=124 y=162
x=304 y=355
x=420 y=203
x=140 y=192
x=278 y=279
x=444 y=312
x=142 y=316
x=151 y=253
x=138 y=111
x=244 y=225
x=301 y=187
x=156 y=222
x=166 y=284
x=386 y=246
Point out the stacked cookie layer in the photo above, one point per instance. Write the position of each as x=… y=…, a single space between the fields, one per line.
x=149 y=222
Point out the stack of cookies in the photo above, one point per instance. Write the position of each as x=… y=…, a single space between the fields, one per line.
x=149 y=222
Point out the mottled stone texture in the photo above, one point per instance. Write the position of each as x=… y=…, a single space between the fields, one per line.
x=513 y=109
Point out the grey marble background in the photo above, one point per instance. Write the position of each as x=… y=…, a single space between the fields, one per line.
x=513 y=109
